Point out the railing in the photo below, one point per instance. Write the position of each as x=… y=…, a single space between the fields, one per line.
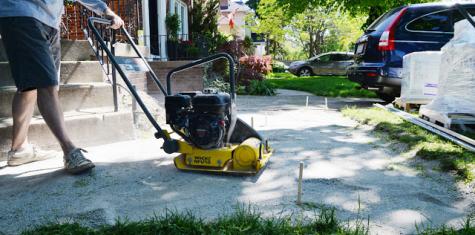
x=184 y=47
x=75 y=18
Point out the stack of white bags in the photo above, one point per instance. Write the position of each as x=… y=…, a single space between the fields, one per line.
x=420 y=77
x=456 y=88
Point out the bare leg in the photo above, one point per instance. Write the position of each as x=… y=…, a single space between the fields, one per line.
x=23 y=106
x=48 y=103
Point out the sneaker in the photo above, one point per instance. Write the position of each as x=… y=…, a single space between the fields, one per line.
x=75 y=162
x=28 y=154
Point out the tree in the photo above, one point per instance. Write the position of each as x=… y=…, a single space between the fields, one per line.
x=253 y=4
x=371 y=8
x=272 y=23
x=204 y=24
x=312 y=28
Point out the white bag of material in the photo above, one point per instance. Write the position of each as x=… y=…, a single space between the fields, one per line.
x=420 y=76
x=456 y=92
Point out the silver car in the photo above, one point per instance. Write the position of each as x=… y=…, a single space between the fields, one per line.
x=333 y=63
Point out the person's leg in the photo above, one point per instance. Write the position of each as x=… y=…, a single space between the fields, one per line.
x=48 y=103
x=33 y=52
x=23 y=106
x=50 y=108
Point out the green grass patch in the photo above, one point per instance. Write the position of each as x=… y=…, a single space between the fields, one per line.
x=329 y=86
x=466 y=229
x=430 y=146
x=243 y=221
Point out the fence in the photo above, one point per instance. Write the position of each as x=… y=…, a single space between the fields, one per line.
x=75 y=18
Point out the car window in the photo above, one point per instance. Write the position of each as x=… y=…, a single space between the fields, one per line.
x=324 y=58
x=435 y=22
x=338 y=57
x=384 y=20
x=458 y=17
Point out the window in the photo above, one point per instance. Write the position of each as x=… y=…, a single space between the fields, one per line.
x=323 y=58
x=181 y=10
x=339 y=57
x=384 y=20
x=435 y=22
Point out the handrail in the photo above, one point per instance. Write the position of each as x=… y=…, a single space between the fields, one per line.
x=204 y=61
x=91 y=21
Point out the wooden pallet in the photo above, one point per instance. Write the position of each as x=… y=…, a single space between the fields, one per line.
x=462 y=121
x=409 y=104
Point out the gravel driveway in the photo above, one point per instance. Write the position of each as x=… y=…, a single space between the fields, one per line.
x=345 y=167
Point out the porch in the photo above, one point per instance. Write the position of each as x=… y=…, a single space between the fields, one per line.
x=145 y=21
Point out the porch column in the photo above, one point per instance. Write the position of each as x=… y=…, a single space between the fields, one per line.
x=146 y=23
x=162 y=30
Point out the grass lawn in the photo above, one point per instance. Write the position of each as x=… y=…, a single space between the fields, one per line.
x=241 y=222
x=329 y=86
x=430 y=146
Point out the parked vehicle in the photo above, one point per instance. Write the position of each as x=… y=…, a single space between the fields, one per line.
x=400 y=31
x=333 y=63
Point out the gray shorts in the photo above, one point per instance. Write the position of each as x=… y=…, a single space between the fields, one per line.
x=33 y=51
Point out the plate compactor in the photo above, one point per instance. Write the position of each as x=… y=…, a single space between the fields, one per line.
x=212 y=138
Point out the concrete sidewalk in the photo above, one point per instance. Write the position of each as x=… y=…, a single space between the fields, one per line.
x=345 y=167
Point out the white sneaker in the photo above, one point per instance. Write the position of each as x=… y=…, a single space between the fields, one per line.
x=28 y=154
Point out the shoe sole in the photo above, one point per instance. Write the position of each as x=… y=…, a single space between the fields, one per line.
x=19 y=163
x=80 y=169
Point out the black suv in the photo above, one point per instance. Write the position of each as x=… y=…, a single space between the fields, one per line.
x=400 y=31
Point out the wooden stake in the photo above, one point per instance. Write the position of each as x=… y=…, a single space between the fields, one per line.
x=299 y=193
x=266 y=119
x=252 y=122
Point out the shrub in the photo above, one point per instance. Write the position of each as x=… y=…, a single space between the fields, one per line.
x=278 y=67
x=220 y=85
x=253 y=68
x=172 y=23
x=262 y=87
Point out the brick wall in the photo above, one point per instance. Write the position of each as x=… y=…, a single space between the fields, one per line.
x=188 y=80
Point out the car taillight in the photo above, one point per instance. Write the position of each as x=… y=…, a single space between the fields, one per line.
x=386 y=42
x=371 y=74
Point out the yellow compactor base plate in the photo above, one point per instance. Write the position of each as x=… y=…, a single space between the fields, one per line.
x=227 y=167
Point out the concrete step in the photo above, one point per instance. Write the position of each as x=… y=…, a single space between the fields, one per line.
x=73 y=97
x=71 y=72
x=86 y=128
x=71 y=50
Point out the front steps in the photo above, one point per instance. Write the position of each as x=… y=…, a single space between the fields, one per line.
x=86 y=128
x=86 y=101
x=71 y=72
x=73 y=97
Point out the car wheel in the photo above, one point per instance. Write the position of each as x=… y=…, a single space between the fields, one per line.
x=305 y=72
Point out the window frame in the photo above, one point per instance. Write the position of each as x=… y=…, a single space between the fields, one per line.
x=319 y=60
x=180 y=8
x=451 y=11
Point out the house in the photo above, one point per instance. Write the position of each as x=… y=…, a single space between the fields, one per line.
x=233 y=21
x=145 y=21
x=154 y=29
